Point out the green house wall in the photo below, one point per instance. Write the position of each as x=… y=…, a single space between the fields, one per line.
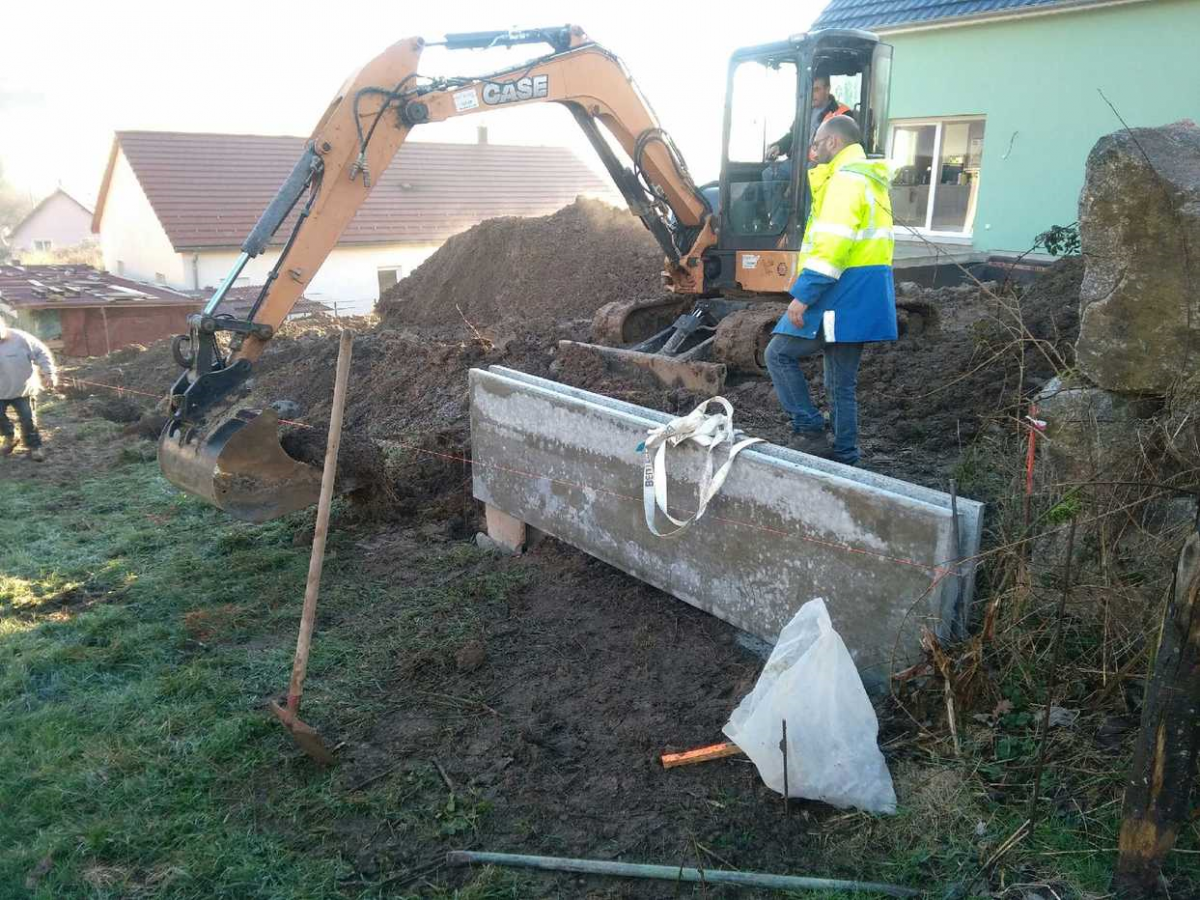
x=1037 y=80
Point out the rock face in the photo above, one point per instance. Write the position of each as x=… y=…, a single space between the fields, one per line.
x=1091 y=435
x=1092 y=432
x=1139 y=223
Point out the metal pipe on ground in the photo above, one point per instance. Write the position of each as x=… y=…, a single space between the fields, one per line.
x=674 y=873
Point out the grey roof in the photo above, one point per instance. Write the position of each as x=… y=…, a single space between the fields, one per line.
x=870 y=14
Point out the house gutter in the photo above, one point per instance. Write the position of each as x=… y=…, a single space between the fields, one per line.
x=990 y=17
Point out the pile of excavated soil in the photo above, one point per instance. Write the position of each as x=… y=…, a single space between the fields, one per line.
x=148 y=372
x=530 y=269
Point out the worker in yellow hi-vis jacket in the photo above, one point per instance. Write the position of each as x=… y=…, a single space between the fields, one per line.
x=844 y=296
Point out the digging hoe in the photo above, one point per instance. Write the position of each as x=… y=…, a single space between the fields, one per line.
x=305 y=735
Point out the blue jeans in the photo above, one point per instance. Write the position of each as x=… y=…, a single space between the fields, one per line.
x=841 y=386
x=23 y=407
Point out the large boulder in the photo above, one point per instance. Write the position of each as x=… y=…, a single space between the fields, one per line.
x=1139 y=224
x=1091 y=433
x=1094 y=437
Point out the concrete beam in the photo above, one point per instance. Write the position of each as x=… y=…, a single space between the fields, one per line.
x=785 y=528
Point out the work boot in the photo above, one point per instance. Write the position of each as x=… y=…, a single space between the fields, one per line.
x=6 y=446
x=37 y=455
x=811 y=442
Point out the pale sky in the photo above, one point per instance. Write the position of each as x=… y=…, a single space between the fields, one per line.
x=73 y=72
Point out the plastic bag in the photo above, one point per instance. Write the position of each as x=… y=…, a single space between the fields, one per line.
x=810 y=680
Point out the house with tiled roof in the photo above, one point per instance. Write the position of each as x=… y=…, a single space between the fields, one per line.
x=995 y=104
x=175 y=207
x=59 y=221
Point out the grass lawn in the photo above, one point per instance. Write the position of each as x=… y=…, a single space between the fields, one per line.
x=141 y=634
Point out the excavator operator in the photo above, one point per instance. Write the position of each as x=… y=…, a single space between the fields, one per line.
x=824 y=106
x=778 y=173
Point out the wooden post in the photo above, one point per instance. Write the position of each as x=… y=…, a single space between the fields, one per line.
x=107 y=337
x=1160 y=780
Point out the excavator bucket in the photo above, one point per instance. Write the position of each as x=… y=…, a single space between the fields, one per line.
x=239 y=466
x=670 y=372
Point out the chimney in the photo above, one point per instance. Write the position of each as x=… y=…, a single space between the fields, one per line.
x=481 y=132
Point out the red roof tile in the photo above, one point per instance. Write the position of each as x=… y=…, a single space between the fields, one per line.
x=209 y=189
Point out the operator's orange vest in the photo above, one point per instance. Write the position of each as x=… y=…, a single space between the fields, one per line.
x=841 y=110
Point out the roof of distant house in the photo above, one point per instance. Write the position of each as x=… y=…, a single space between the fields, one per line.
x=208 y=190
x=238 y=300
x=46 y=200
x=65 y=286
x=886 y=14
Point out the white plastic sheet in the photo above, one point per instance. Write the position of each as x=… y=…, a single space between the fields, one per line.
x=832 y=732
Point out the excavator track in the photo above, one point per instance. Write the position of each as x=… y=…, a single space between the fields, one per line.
x=623 y=322
x=742 y=337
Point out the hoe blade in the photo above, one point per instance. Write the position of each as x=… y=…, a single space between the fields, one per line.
x=305 y=736
x=699 y=377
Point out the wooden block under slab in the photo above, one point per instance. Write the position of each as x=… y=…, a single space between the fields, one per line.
x=507 y=531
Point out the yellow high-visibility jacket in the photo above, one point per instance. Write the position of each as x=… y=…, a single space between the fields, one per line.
x=845 y=261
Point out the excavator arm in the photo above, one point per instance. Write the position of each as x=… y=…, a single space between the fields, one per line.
x=235 y=461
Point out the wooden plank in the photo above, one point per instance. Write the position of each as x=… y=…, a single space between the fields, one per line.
x=1159 y=785
x=507 y=531
x=700 y=754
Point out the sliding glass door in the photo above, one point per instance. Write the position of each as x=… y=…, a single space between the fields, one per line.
x=935 y=182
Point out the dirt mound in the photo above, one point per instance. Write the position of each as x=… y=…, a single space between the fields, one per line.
x=566 y=265
x=924 y=398
x=148 y=372
x=407 y=421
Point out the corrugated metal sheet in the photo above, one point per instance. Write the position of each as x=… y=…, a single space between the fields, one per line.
x=69 y=286
x=870 y=14
x=208 y=190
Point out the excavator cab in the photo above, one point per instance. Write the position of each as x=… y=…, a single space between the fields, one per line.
x=759 y=206
x=763 y=201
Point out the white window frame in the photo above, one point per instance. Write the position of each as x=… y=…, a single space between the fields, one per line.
x=908 y=232
x=43 y=246
x=398 y=271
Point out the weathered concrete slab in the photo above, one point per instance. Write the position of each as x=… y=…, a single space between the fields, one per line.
x=785 y=528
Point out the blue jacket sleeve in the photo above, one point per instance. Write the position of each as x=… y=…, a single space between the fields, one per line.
x=810 y=287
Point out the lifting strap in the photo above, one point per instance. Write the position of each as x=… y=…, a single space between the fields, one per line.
x=709 y=431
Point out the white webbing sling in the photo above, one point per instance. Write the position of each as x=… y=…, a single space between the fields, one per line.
x=708 y=430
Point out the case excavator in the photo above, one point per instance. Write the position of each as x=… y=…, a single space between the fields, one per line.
x=730 y=247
